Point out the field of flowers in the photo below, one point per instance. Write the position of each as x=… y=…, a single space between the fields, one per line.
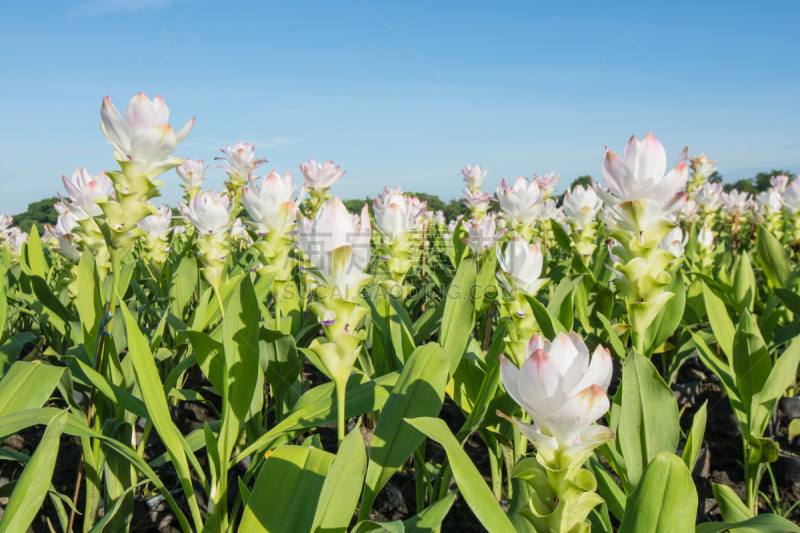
x=261 y=359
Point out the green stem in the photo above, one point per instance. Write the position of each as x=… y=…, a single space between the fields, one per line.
x=419 y=475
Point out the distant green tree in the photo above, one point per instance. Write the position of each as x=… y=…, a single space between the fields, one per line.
x=38 y=213
x=761 y=181
x=434 y=202
x=715 y=177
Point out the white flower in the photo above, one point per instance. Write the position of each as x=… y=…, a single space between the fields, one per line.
x=482 y=235
x=63 y=236
x=769 y=201
x=241 y=160
x=779 y=182
x=337 y=248
x=143 y=135
x=548 y=210
x=791 y=198
x=440 y=220
x=639 y=174
x=157 y=226
x=274 y=205
x=238 y=232
x=473 y=176
x=83 y=190
x=708 y=196
x=701 y=165
x=546 y=183
x=14 y=239
x=734 y=202
x=478 y=202
x=519 y=202
x=581 y=205
x=208 y=212
x=563 y=390
x=320 y=176
x=5 y=222
x=192 y=173
x=395 y=216
x=522 y=263
x=608 y=219
x=675 y=242
x=388 y=191
x=690 y=212
x=705 y=238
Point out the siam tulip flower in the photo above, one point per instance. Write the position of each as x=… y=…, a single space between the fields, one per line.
x=548 y=210
x=451 y=226
x=779 y=182
x=613 y=243
x=581 y=205
x=608 y=219
x=273 y=206
x=705 y=238
x=388 y=191
x=192 y=173
x=64 y=238
x=546 y=183
x=702 y=166
x=239 y=232
x=521 y=266
x=240 y=162
x=143 y=141
x=563 y=390
x=690 y=212
x=734 y=203
x=84 y=189
x=473 y=177
x=157 y=226
x=14 y=239
x=519 y=202
x=208 y=212
x=769 y=201
x=478 y=203
x=483 y=235
x=320 y=176
x=708 y=197
x=338 y=250
x=675 y=242
x=5 y=222
x=791 y=197
x=395 y=216
x=440 y=220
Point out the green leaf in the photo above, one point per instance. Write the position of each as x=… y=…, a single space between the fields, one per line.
x=694 y=441
x=342 y=486
x=763 y=523
x=475 y=490
x=428 y=520
x=208 y=353
x=288 y=506
x=89 y=302
x=669 y=318
x=33 y=483
x=36 y=258
x=649 y=421
x=730 y=506
x=458 y=319
x=182 y=284
x=751 y=362
x=773 y=257
x=419 y=392
x=721 y=324
x=613 y=338
x=794 y=428
x=149 y=382
x=664 y=501
x=608 y=489
x=283 y=366
x=27 y=386
x=10 y=350
x=549 y=324
x=790 y=299
x=366 y=526
x=562 y=238
x=561 y=302
x=744 y=285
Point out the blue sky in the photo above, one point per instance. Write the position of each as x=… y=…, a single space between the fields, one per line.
x=401 y=93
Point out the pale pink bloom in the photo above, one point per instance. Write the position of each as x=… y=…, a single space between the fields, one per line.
x=241 y=160
x=473 y=176
x=734 y=202
x=675 y=242
x=83 y=190
x=5 y=222
x=478 y=202
x=274 y=204
x=482 y=235
x=338 y=249
x=563 y=389
x=708 y=196
x=519 y=202
x=157 y=226
x=320 y=176
x=396 y=215
x=705 y=238
x=547 y=183
x=581 y=205
x=779 y=182
x=144 y=134
x=548 y=210
x=690 y=212
x=769 y=201
x=209 y=212
x=192 y=173
x=521 y=264
x=791 y=198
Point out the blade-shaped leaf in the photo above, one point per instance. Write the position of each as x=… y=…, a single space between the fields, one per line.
x=458 y=319
x=27 y=386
